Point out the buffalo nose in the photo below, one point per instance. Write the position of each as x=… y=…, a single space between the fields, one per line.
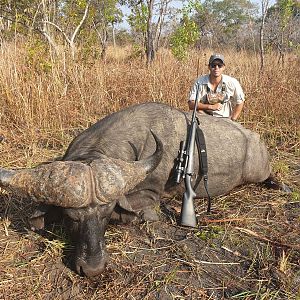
x=90 y=269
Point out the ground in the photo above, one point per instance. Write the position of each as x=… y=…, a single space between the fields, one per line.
x=246 y=248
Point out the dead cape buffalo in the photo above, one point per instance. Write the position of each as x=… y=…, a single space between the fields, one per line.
x=118 y=168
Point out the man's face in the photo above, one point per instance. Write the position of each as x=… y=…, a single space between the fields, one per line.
x=216 y=68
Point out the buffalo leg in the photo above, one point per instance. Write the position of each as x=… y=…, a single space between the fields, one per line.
x=144 y=206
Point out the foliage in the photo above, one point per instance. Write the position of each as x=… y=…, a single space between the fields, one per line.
x=220 y=20
x=138 y=19
x=186 y=34
x=285 y=11
x=208 y=23
x=62 y=21
x=105 y=12
x=210 y=233
x=283 y=30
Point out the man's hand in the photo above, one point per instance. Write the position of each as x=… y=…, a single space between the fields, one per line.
x=205 y=106
x=216 y=106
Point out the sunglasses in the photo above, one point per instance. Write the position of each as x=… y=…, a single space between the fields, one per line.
x=213 y=66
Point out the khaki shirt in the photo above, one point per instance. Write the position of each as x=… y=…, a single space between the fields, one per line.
x=229 y=92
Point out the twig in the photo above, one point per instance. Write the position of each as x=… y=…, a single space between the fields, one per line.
x=236 y=253
x=207 y=221
x=206 y=262
x=265 y=239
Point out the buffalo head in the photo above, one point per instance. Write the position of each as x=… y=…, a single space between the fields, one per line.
x=87 y=194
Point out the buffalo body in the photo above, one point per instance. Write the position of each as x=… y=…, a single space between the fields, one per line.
x=235 y=156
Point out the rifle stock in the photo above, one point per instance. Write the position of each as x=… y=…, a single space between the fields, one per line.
x=188 y=215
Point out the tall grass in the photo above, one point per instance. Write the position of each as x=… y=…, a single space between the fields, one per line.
x=44 y=102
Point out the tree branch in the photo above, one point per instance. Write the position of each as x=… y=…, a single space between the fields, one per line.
x=81 y=22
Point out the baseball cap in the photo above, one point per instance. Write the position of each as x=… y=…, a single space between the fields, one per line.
x=216 y=56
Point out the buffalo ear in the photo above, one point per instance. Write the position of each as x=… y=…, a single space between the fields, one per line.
x=37 y=223
x=37 y=218
x=44 y=215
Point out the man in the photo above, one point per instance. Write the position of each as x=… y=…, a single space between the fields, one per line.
x=219 y=95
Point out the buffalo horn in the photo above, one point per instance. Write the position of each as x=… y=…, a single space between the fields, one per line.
x=61 y=183
x=115 y=177
x=75 y=184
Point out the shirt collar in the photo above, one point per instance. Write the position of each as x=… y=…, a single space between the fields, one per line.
x=223 y=80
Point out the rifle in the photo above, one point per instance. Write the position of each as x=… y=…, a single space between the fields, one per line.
x=185 y=169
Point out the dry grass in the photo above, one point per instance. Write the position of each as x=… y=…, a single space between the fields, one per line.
x=249 y=247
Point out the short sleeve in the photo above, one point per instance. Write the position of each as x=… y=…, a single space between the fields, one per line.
x=201 y=82
x=193 y=92
x=238 y=92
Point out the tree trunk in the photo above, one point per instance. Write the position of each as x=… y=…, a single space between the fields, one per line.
x=113 y=35
x=104 y=44
x=264 y=9
x=159 y=24
x=150 y=53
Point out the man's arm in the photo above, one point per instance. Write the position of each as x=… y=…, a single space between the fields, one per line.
x=237 y=111
x=240 y=98
x=204 y=106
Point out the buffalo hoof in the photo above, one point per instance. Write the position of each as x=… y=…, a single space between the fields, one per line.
x=123 y=217
x=273 y=183
x=149 y=214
